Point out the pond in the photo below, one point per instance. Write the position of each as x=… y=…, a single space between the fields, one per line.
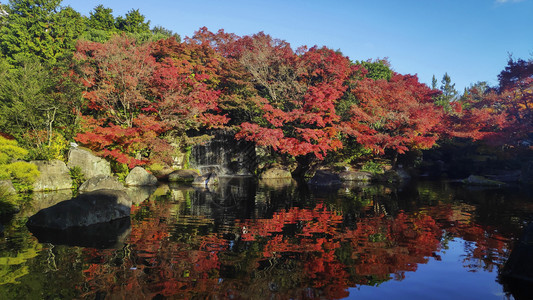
x=279 y=240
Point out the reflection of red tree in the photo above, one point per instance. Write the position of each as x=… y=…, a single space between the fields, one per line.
x=309 y=248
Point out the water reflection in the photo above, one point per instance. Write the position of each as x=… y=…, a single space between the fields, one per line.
x=279 y=240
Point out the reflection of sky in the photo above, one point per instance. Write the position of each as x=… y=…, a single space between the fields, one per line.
x=444 y=279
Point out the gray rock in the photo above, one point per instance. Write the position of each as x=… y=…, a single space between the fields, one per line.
x=325 y=178
x=140 y=177
x=275 y=173
x=185 y=176
x=86 y=209
x=205 y=180
x=100 y=182
x=54 y=176
x=480 y=180
x=355 y=176
x=90 y=164
x=7 y=186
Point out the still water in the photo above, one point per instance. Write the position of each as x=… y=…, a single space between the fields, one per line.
x=277 y=240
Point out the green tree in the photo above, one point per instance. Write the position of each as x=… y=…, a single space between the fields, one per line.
x=102 y=18
x=165 y=33
x=133 y=22
x=377 y=69
x=449 y=93
x=39 y=28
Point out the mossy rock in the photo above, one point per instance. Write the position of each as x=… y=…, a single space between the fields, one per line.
x=183 y=176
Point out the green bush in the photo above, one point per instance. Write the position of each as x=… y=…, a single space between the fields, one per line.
x=10 y=151
x=23 y=175
x=373 y=167
x=78 y=178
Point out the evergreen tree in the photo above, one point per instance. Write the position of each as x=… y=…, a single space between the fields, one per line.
x=39 y=28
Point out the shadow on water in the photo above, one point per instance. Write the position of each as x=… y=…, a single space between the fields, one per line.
x=100 y=236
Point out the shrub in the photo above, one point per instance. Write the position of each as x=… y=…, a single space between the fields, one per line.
x=10 y=151
x=373 y=167
x=23 y=175
x=78 y=178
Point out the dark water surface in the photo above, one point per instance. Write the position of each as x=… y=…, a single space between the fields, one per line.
x=427 y=240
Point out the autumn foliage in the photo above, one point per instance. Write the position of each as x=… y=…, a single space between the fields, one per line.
x=305 y=103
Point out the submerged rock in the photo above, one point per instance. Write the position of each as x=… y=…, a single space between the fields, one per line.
x=86 y=209
x=90 y=164
x=480 y=180
x=101 y=182
x=54 y=176
x=138 y=176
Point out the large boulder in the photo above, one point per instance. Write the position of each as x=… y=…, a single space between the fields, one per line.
x=140 y=177
x=100 y=182
x=275 y=173
x=90 y=164
x=355 y=176
x=325 y=178
x=86 y=209
x=54 y=176
x=183 y=176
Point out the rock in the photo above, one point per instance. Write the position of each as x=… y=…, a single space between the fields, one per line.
x=86 y=209
x=480 y=180
x=54 y=176
x=205 y=180
x=8 y=187
x=184 y=176
x=275 y=173
x=89 y=164
x=355 y=176
x=100 y=182
x=163 y=174
x=138 y=176
x=325 y=178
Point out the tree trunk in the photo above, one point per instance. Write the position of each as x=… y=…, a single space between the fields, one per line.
x=304 y=164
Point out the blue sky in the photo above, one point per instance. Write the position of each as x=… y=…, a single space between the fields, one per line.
x=469 y=39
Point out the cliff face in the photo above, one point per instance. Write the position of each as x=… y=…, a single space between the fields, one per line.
x=224 y=155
